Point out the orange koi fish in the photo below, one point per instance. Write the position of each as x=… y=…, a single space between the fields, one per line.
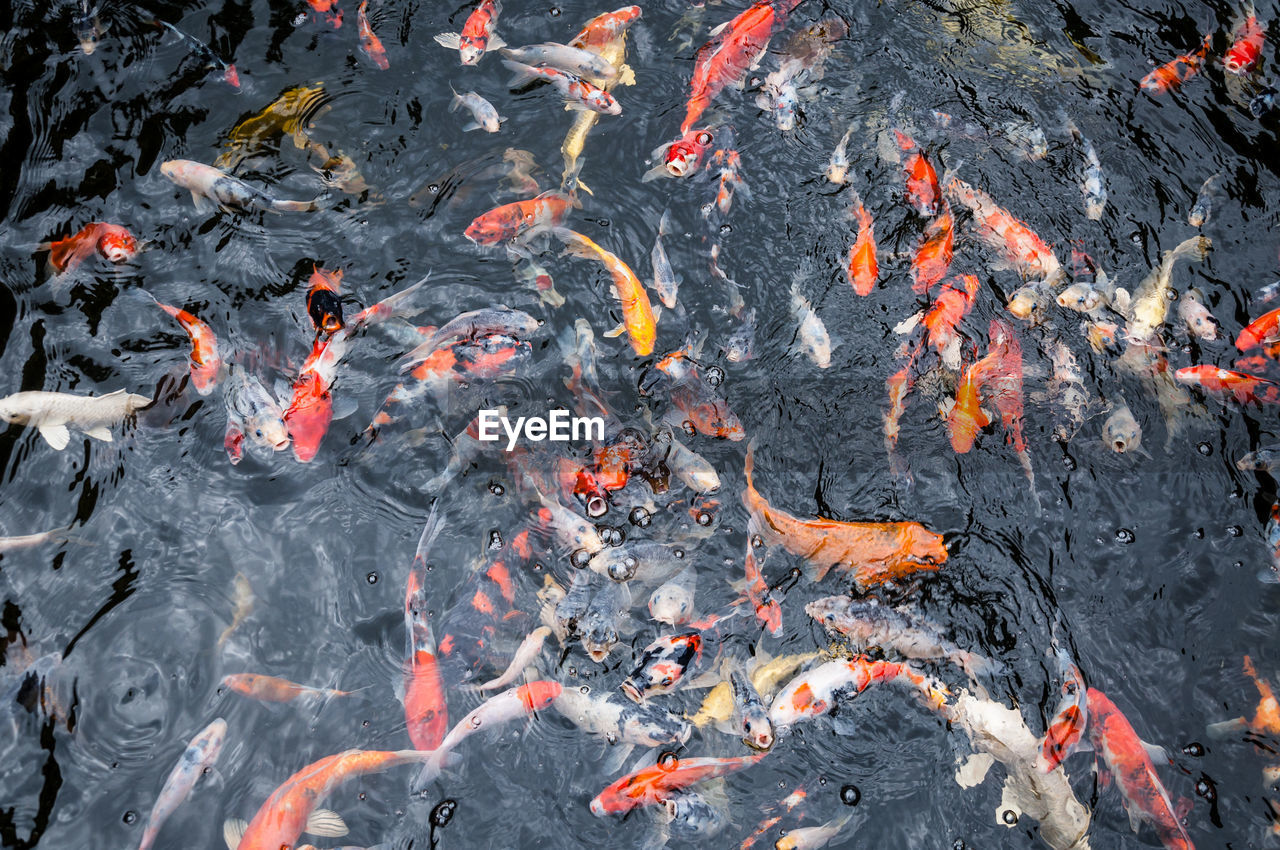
x=1243 y=387
x=1177 y=71
x=767 y=609
x=603 y=30
x=967 y=417
x=922 y=191
x=734 y=47
x=933 y=257
x=272 y=689
x=1265 y=720
x=477 y=36
x=863 y=269
x=288 y=811
x=637 y=311
x=652 y=785
x=206 y=365
x=1264 y=330
x=1004 y=387
x=875 y=552
x=1067 y=727
x=369 y=41
x=520 y=218
x=1129 y=760
x=113 y=242
x=330 y=10
x=731 y=181
x=323 y=304
x=1246 y=49
x=952 y=303
x=310 y=410
x=426 y=710
x=1026 y=252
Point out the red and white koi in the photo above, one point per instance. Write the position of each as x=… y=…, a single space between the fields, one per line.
x=477 y=36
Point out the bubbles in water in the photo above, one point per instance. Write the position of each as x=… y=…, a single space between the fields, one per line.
x=372 y=578
x=703 y=518
x=443 y=812
x=1124 y=535
x=1204 y=449
x=726 y=228
x=361 y=796
x=715 y=376
x=579 y=558
x=688 y=428
x=1234 y=530
x=553 y=12
x=958 y=844
x=1198 y=534
x=617 y=536
x=1009 y=816
x=1206 y=789
x=476 y=722
x=611 y=737
x=364 y=724
x=1194 y=749
x=668 y=760
x=1069 y=464
x=756 y=541
x=130 y=816
x=678 y=554
x=640 y=517
x=433 y=188
x=495 y=540
x=850 y=795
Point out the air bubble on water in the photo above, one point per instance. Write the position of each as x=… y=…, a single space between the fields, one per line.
x=584 y=690
x=959 y=844
x=496 y=489
x=1068 y=463
x=756 y=541
x=1124 y=535
x=704 y=518
x=678 y=554
x=668 y=760
x=443 y=812
x=726 y=228
x=640 y=517
x=554 y=12
x=361 y=796
x=1237 y=564
x=1010 y=817
x=495 y=540
x=476 y=722
x=1198 y=534
x=689 y=430
x=433 y=188
x=715 y=376
x=579 y=558
x=130 y=816
x=372 y=578
x=1204 y=449
x=1234 y=530
x=850 y=795
x=364 y=724
x=611 y=737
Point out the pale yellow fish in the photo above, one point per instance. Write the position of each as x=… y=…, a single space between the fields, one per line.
x=242 y=606
x=615 y=53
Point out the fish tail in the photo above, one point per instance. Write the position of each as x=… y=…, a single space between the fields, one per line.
x=1227 y=728
x=296 y=206
x=523 y=74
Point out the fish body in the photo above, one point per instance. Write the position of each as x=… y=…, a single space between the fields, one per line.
x=1067 y=390
x=637 y=311
x=952 y=301
x=1129 y=760
x=1092 y=184
x=816 y=692
x=875 y=552
x=600 y=625
x=113 y=242
x=206 y=365
x=528 y=650
x=681 y=158
x=1202 y=209
x=274 y=689
x=933 y=258
x=838 y=167
x=767 y=609
x=812 y=334
x=484 y=116
x=922 y=192
x=605 y=29
x=578 y=92
x=520 y=219
x=650 y=786
x=1246 y=49
x=51 y=413
x=662 y=665
x=200 y=755
x=1265 y=459
x=1262 y=331
x=778 y=92
x=426 y=708
x=1150 y=304
x=243 y=606
x=1243 y=387
x=310 y=410
x=1025 y=251
x=730 y=182
x=622 y=721
x=1065 y=732
x=288 y=116
x=665 y=280
x=813 y=837
x=477 y=37
x=1176 y=71
x=967 y=417
x=253 y=414
x=323 y=304
x=862 y=268
x=473 y=325
x=575 y=60
x=369 y=41
x=231 y=194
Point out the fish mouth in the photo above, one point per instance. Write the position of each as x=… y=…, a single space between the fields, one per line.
x=597 y=506
x=633 y=693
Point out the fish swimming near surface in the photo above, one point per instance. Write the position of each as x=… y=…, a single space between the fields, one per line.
x=477 y=37
x=199 y=756
x=206 y=364
x=1176 y=71
x=426 y=707
x=230 y=194
x=578 y=61
x=51 y=413
x=370 y=44
x=483 y=114
x=113 y=242
x=862 y=267
x=650 y=786
x=1246 y=48
x=637 y=310
x=579 y=94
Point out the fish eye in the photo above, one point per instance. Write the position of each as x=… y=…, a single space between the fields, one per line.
x=704 y=138
x=666 y=681
x=257 y=432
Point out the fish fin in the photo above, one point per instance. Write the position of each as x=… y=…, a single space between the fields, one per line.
x=1227 y=728
x=974 y=769
x=495 y=43
x=659 y=170
x=1135 y=816
x=616 y=332
x=451 y=40
x=700 y=682
x=1155 y=753
x=626 y=76
x=522 y=75
x=297 y=206
x=617 y=757
x=575 y=106
x=326 y=824
x=102 y=432
x=470 y=125
x=715 y=31
x=232 y=831
x=55 y=435
x=909 y=324
x=344 y=407
x=1008 y=803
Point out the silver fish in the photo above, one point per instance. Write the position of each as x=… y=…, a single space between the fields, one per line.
x=751 y=713
x=672 y=602
x=665 y=279
x=693 y=470
x=572 y=607
x=813 y=337
x=601 y=623
x=483 y=113
x=199 y=756
x=231 y=194
x=623 y=722
x=1067 y=391
x=575 y=60
x=253 y=413
x=1200 y=322
x=528 y=650
x=1091 y=183
x=838 y=168
x=51 y=413
x=1203 y=207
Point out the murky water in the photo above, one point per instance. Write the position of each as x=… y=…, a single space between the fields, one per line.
x=1144 y=564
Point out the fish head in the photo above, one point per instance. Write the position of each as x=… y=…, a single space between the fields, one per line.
x=325 y=308
x=470 y=49
x=1122 y=433
x=926 y=546
x=497 y=225
x=671 y=605
x=1080 y=297
x=117 y=245
x=598 y=640
x=10 y=413
x=757 y=731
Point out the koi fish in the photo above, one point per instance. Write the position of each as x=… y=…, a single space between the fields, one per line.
x=922 y=192
x=767 y=609
x=310 y=410
x=620 y=721
x=1246 y=49
x=252 y=413
x=838 y=167
x=1262 y=331
x=692 y=469
x=1203 y=206
x=863 y=270
x=1005 y=389
x=273 y=689
x=206 y=365
x=112 y=242
x=599 y=626
x=1026 y=252
x=231 y=194
x=752 y=716
x=1092 y=185
x=812 y=335
x=637 y=312
x=477 y=36
x=577 y=61
x=605 y=29
x=520 y=219
x=88 y=27
x=606 y=35
x=652 y=785
x=1066 y=389
x=933 y=257
x=483 y=114
x=665 y=280
x=730 y=180
x=1150 y=304
x=50 y=413
x=199 y=756
x=1121 y=432
x=323 y=304
x=951 y=304
x=1266 y=718
x=370 y=44
x=875 y=552
x=242 y=607
x=672 y=602
x=816 y=692
x=868 y=622
x=813 y=837
x=663 y=665
x=1129 y=759
x=529 y=649
x=330 y=10
x=1177 y=71
x=1070 y=719
x=1243 y=387
x=967 y=417
x=291 y=808
x=506 y=706
x=473 y=325
x=426 y=709
x=680 y=158
x=579 y=93
x=212 y=60
x=288 y=116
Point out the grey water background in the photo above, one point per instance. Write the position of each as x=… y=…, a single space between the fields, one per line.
x=162 y=523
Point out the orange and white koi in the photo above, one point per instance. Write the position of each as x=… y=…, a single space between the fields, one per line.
x=875 y=552
x=816 y=692
x=579 y=94
x=112 y=242
x=1177 y=71
x=922 y=192
x=1129 y=759
x=1266 y=718
x=369 y=41
x=682 y=157
x=477 y=36
x=1026 y=252
x=520 y=219
x=310 y=410
x=1245 y=388
x=652 y=785
x=273 y=689
x=426 y=709
x=813 y=837
x=953 y=301
x=863 y=270
x=1070 y=720
x=1246 y=49
x=967 y=417
x=637 y=311
x=933 y=257
x=206 y=365
x=603 y=30
x=330 y=10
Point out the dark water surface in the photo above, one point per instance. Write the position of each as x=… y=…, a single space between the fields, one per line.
x=1148 y=562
